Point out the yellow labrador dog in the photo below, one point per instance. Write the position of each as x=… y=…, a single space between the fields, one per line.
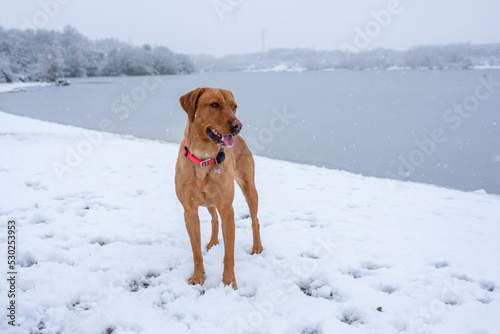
x=211 y=157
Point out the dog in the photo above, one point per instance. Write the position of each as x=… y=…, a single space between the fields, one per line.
x=211 y=156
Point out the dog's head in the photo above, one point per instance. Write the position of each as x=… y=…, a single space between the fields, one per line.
x=211 y=115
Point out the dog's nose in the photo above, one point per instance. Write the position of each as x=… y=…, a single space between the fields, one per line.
x=236 y=127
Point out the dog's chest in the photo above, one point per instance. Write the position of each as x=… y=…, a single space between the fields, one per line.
x=214 y=176
x=214 y=183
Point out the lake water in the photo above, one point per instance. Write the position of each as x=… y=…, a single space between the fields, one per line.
x=438 y=127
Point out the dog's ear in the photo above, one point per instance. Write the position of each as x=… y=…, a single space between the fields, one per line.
x=188 y=102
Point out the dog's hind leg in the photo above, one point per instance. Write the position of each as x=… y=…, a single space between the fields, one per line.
x=245 y=177
x=214 y=239
x=252 y=198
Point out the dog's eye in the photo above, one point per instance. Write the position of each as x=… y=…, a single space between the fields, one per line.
x=234 y=108
x=215 y=105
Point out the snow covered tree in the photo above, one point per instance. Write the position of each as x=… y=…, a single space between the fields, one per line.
x=5 y=52
x=50 y=64
x=50 y=55
x=5 y=69
x=73 y=46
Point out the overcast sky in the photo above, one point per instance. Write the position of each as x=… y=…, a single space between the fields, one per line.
x=221 y=27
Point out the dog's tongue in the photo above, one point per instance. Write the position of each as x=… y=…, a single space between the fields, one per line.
x=228 y=140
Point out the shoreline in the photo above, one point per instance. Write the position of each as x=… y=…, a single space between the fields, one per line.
x=12 y=87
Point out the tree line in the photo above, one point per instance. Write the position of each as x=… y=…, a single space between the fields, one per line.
x=42 y=55
x=452 y=56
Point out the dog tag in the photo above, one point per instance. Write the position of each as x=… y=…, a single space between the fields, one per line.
x=221 y=156
x=216 y=170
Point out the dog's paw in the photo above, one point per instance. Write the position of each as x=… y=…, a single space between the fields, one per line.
x=230 y=280
x=212 y=243
x=197 y=278
x=257 y=249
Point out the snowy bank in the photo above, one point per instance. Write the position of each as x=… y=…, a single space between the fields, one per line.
x=102 y=246
x=17 y=86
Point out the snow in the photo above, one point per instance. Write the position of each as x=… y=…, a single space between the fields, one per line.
x=486 y=67
x=281 y=67
x=17 y=86
x=102 y=246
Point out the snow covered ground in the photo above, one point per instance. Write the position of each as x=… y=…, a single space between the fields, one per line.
x=16 y=86
x=102 y=246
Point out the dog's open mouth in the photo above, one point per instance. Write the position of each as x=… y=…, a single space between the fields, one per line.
x=220 y=139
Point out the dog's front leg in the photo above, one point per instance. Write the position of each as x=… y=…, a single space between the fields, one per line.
x=193 y=228
x=228 y=233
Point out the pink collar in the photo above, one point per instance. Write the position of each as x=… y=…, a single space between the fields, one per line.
x=204 y=163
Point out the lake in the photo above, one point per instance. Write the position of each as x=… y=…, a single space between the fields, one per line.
x=437 y=127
